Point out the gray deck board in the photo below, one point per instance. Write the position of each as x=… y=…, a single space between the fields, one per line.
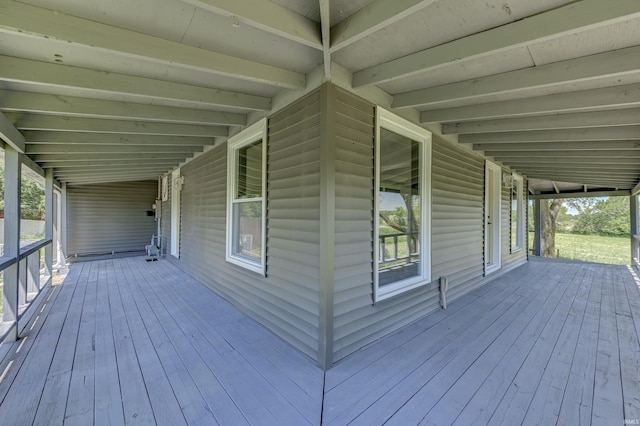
x=123 y=341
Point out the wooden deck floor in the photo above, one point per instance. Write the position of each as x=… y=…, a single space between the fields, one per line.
x=129 y=342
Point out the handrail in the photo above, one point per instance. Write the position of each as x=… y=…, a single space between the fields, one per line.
x=29 y=249
x=6 y=261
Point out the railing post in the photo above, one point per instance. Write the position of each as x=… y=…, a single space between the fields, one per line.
x=48 y=226
x=12 y=178
x=633 y=218
x=537 y=220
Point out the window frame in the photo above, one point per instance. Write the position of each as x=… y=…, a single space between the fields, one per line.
x=403 y=127
x=519 y=215
x=252 y=134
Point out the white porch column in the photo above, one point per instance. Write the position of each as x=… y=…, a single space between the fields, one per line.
x=62 y=229
x=49 y=217
x=12 y=177
x=633 y=217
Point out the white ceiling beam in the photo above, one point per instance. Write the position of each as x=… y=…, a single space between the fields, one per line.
x=139 y=89
x=10 y=135
x=86 y=138
x=267 y=16
x=120 y=170
x=106 y=163
x=142 y=157
x=371 y=18
x=565 y=154
x=42 y=103
x=107 y=149
x=590 y=172
x=586 y=179
x=51 y=27
x=618 y=117
x=581 y=194
x=558 y=146
x=613 y=65
x=560 y=162
x=85 y=180
x=559 y=135
x=63 y=170
x=626 y=96
x=555 y=23
x=76 y=124
x=325 y=27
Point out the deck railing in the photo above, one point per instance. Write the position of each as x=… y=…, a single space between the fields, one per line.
x=33 y=276
x=395 y=249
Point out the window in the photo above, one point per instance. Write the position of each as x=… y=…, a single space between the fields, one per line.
x=246 y=168
x=517 y=214
x=403 y=206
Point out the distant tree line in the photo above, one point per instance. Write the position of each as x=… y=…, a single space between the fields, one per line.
x=594 y=216
x=32 y=199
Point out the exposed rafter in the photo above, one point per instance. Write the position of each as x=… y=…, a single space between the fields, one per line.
x=560 y=135
x=618 y=117
x=107 y=149
x=612 y=65
x=544 y=26
x=76 y=124
x=267 y=16
x=108 y=157
x=626 y=96
x=57 y=28
x=74 y=138
x=100 y=84
x=9 y=134
x=16 y=101
x=372 y=18
x=566 y=154
x=325 y=17
x=559 y=146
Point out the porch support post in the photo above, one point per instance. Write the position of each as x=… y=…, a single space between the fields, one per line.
x=62 y=229
x=327 y=224
x=537 y=222
x=633 y=217
x=49 y=216
x=12 y=177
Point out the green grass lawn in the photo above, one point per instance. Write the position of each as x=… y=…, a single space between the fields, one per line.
x=593 y=248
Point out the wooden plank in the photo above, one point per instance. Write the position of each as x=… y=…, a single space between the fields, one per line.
x=244 y=384
x=607 y=392
x=23 y=388
x=135 y=400
x=108 y=406
x=197 y=366
x=385 y=385
x=429 y=392
x=149 y=339
x=515 y=402
x=629 y=344
x=80 y=401
x=547 y=400
x=578 y=395
x=51 y=407
x=291 y=375
x=487 y=380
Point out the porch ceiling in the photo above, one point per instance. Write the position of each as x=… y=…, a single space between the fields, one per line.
x=110 y=91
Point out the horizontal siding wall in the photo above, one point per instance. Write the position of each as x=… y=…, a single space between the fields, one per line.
x=457 y=223
x=105 y=218
x=286 y=300
x=456 y=232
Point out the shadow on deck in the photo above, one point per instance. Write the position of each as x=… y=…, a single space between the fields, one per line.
x=126 y=341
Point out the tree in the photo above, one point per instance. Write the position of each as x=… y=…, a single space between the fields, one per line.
x=549 y=214
x=32 y=198
x=602 y=216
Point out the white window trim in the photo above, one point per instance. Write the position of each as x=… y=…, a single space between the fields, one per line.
x=497 y=220
x=176 y=189
x=399 y=125
x=251 y=134
x=520 y=217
